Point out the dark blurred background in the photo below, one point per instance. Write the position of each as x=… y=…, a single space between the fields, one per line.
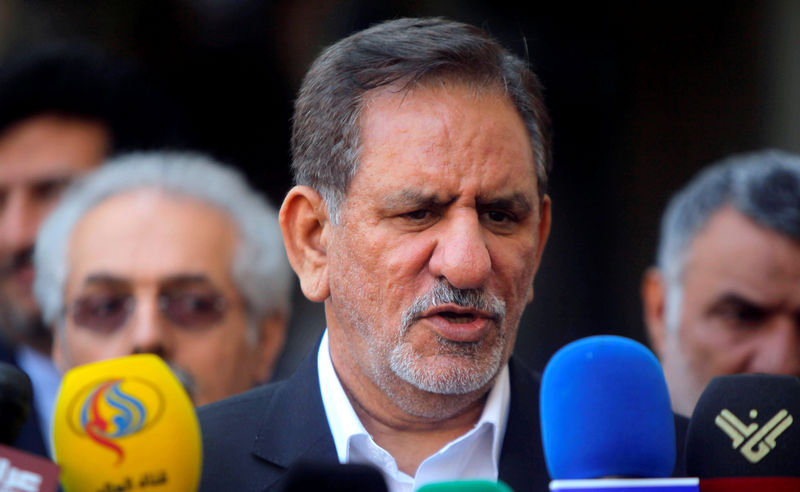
x=641 y=98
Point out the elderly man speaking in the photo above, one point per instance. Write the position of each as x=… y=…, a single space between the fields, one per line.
x=172 y=254
x=420 y=151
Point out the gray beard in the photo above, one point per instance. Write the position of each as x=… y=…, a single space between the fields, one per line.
x=453 y=380
x=472 y=365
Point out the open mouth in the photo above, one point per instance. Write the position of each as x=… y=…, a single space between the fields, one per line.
x=460 y=318
x=460 y=324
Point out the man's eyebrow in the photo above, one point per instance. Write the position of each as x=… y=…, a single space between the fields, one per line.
x=733 y=298
x=106 y=279
x=518 y=202
x=62 y=178
x=186 y=280
x=414 y=198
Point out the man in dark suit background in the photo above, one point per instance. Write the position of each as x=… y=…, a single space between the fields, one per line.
x=64 y=108
x=420 y=150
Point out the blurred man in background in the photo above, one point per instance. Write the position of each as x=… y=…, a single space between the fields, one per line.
x=171 y=254
x=724 y=297
x=63 y=109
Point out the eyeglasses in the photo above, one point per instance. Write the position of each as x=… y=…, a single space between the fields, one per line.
x=109 y=312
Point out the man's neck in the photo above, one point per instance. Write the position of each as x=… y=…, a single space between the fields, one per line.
x=411 y=440
x=409 y=423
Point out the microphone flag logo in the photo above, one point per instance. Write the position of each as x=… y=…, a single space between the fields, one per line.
x=107 y=411
x=126 y=424
x=758 y=440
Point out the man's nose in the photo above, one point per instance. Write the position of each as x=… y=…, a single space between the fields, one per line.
x=149 y=331
x=779 y=350
x=461 y=254
x=19 y=222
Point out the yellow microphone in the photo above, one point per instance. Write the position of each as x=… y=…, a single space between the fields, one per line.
x=126 y=424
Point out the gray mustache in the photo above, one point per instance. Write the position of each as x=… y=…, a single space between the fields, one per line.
x=444 y=293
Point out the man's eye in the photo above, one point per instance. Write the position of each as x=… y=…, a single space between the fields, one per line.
x=47 y=190
x=192 y=310
x=742 y=315
x=496 y=216
x=101 y=312
x=499 y=218
x=418 y=215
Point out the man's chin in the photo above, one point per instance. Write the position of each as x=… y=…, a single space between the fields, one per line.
x=445 y=374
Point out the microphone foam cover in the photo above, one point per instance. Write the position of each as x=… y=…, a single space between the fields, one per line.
x=605 y=411
x=746 y=425
x=126 y=424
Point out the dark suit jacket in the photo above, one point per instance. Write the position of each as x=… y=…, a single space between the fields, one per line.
x=251 y=439
x=31 y=438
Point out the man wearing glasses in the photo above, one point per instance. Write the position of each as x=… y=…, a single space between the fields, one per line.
x=171 y=254
x=64 y=108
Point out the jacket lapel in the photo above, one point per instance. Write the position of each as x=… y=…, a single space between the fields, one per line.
x=522 y=464
x=294 y=427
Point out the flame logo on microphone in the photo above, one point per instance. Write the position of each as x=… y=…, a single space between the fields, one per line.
x=110 y=410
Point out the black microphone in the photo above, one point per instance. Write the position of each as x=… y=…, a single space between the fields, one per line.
x=744 y=435
x=333 y=477
x=20 y=470
x=16 y=396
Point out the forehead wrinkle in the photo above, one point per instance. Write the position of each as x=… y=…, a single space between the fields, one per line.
x=445 y=132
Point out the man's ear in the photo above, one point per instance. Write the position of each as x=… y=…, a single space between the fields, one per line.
x=654 y=294
x=543 y=232
x=271 y=340
x=305 y=226
x=545 y=216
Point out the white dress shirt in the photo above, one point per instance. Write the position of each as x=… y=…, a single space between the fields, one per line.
x=475 y=455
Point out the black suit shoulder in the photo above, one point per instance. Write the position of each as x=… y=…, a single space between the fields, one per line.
x=31 y=436
x=250 y=440
x=225 y=419
x=522 y=464
x=229 y=434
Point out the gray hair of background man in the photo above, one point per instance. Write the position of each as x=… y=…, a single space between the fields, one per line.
x=763 y=186
x=260 y=268
x=401 y=54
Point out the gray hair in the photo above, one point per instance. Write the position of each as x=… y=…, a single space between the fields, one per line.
x=763 y=186
x=403 y=54
x=260 y=268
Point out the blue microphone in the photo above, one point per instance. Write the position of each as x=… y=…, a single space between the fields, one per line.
x=606 y=414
